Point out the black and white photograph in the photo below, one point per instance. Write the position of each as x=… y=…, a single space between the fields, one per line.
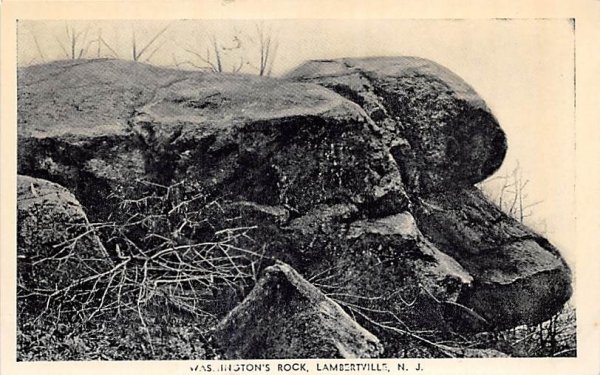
x=218 y=190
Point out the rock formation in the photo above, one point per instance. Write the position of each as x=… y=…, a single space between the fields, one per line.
x=53 y=238
x=284 y=316
x=444 y=139
x=358 y=173
x=245 y=137
x=439 y=130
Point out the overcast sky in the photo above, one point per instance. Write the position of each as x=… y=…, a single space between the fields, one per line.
x=523 y=69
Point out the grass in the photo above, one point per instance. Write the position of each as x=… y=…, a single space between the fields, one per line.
x=173 y=335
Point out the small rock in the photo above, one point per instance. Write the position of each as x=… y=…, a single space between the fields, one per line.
x=286 y=317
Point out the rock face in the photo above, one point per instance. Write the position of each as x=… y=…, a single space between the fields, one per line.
x=383 y=264
x=286 y=317
x=256 y=139
x=378 y=264
x=368 y=192
x=51 y=225
x=444 y=139
x=519 y=276
x=439 y=130
x=72 y=125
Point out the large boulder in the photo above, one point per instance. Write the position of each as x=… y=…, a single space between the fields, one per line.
x=519 y=277
x=261 y=140
x=444 y=139
x=368 y=194
x=286 y=317
x=440 y=131
x=72 y=125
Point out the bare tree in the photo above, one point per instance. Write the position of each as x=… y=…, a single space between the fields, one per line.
x=256 y=49
x=137 y=52
x=100 y=42
x=267 y=47
x=75 y=45
x=218 y=57
x=38 y=48
x=511 y=196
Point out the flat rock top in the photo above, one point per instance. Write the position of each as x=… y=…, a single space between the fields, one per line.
x=87 y=98
x=84 y=97
x=224 y=100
